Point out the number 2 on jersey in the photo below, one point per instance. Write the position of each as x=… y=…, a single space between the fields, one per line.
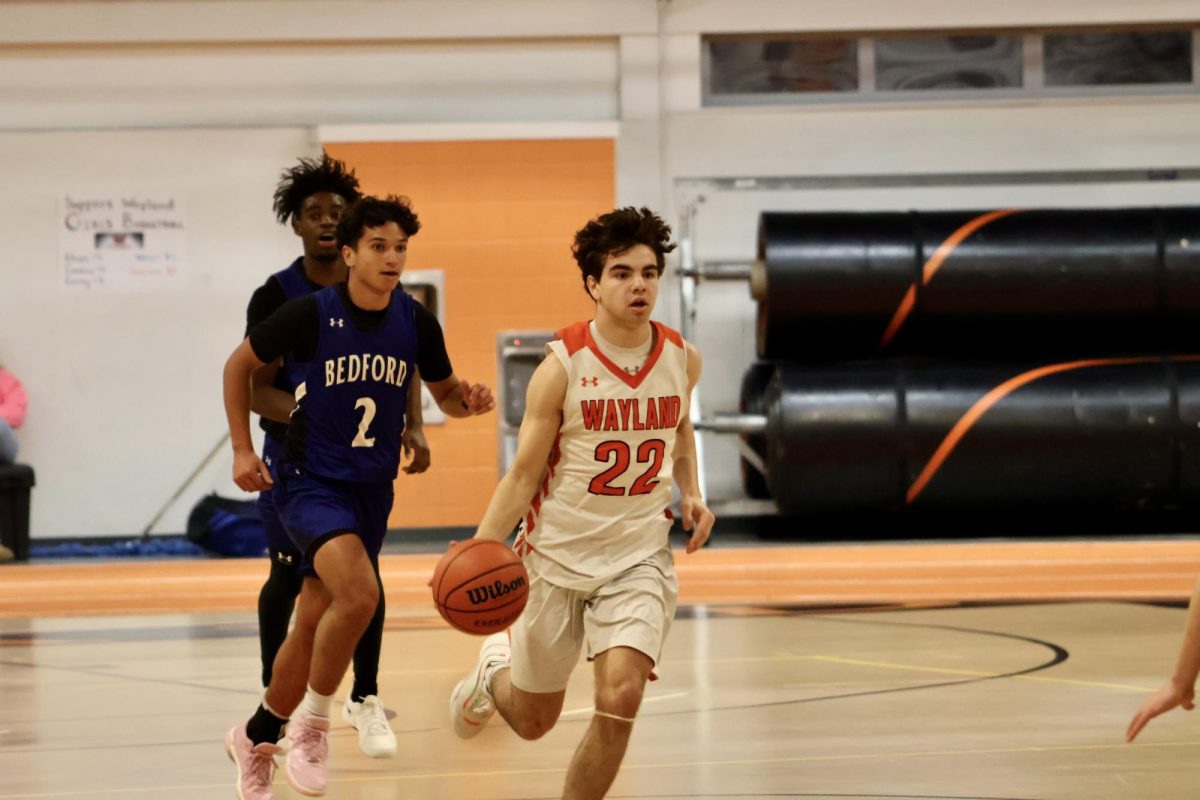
x=651 y=451
x=368 y=407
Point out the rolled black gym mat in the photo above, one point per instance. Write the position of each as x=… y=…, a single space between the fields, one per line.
x=1007 y=284
x=751 y=401
x=1119 y=434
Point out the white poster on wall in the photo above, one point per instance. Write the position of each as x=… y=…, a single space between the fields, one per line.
x=122 y=241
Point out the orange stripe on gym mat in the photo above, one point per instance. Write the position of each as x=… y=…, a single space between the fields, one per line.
x=983 y=404
x=933 y=265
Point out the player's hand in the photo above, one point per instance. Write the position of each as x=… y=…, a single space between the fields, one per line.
x=477 y=398
x=429 y=582
x=697 y=518
x=417 y=449
x=1168 y=697
x=250 y=473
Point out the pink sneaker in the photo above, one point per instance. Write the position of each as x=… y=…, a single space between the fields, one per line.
x=307 y=767
x=255 y=764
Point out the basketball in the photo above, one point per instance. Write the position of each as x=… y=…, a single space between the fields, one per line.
x=480 y=586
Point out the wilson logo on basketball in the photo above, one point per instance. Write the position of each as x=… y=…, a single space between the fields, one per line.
x=492 y=591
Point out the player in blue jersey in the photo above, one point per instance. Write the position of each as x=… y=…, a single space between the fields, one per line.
x=311 y=196
x=359 y=342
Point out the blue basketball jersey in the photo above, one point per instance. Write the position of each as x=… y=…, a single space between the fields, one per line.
x=295 y=284
x=353 y=397
x=293 y=280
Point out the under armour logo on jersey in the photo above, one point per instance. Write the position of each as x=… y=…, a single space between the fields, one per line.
x=336 y=323
x=584 y=381
x=285 y=558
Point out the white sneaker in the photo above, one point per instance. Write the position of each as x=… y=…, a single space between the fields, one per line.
x=375 y=737
x=471 y=702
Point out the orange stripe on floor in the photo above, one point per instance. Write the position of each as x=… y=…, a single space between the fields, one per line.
x=801 y=574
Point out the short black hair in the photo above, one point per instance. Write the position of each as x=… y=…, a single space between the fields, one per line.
x=616 y=232
x=374 y=212
x=313 y=176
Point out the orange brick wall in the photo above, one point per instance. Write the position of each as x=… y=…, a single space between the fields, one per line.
x=498 y=218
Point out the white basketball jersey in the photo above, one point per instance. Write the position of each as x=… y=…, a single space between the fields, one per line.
x=603 y=502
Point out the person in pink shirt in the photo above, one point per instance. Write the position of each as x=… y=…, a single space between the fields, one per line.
x=12 y=414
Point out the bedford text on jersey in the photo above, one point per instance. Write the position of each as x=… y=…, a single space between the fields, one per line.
x=365 y=367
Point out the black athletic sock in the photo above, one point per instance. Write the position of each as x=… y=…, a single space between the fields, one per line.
x=276 y=601
x=265 y=727
x=366 y=653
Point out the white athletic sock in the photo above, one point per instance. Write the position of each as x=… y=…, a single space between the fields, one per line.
x=316 y=705
x=489 y=672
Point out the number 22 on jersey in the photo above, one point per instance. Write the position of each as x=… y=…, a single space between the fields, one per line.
x=650 y=452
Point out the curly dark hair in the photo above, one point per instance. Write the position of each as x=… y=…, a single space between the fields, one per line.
x=313 y=176
x=616 y=232
x=375 y=212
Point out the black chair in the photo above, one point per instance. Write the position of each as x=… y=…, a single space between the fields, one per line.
x=15 y=482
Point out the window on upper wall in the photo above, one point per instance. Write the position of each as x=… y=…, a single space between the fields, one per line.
x=1117 y=59
x=937 y=63
x=762 y=65
x=779 y=69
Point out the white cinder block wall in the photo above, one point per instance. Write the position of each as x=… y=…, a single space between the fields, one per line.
x=210 y=100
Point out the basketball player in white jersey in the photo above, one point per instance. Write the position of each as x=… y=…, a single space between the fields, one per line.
x=604 y=433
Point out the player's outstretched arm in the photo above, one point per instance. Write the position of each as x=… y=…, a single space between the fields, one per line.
x=539 y=429
x=459 y=398
x=249 y=473
x=1169 y=696
x=1181 y=689
x=693 y=511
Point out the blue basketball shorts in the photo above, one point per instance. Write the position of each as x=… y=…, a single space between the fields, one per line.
x=314 y=509
x=279 y=544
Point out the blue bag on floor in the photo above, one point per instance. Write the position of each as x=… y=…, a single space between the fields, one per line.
x=227 y=527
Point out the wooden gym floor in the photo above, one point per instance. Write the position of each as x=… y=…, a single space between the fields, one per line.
x=1004 y=671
